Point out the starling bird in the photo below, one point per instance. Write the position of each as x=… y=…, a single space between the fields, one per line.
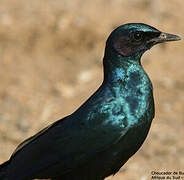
x=98 y=138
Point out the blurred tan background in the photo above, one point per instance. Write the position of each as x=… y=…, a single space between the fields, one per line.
x=51 y=61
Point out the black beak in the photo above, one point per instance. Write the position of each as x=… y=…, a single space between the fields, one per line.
x=164 y=37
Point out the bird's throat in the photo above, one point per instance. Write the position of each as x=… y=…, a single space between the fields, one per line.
x=118 y=67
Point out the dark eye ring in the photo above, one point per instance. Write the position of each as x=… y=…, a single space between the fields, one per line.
x=137 y=36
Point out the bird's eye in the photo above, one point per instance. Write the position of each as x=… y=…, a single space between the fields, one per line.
x=137 y=36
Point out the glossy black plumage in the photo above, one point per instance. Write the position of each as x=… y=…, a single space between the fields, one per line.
x=98 y=138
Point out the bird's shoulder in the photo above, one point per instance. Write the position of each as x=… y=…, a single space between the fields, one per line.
x=68 y=140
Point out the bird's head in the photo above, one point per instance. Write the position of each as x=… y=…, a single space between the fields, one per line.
x=135 y=38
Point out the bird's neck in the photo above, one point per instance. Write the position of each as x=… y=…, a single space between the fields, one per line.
x=126 y=80
x=117 y=67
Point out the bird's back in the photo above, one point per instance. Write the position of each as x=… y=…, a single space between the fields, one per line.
x=96 y=140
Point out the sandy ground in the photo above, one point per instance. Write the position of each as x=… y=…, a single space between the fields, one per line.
x=51 y=62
